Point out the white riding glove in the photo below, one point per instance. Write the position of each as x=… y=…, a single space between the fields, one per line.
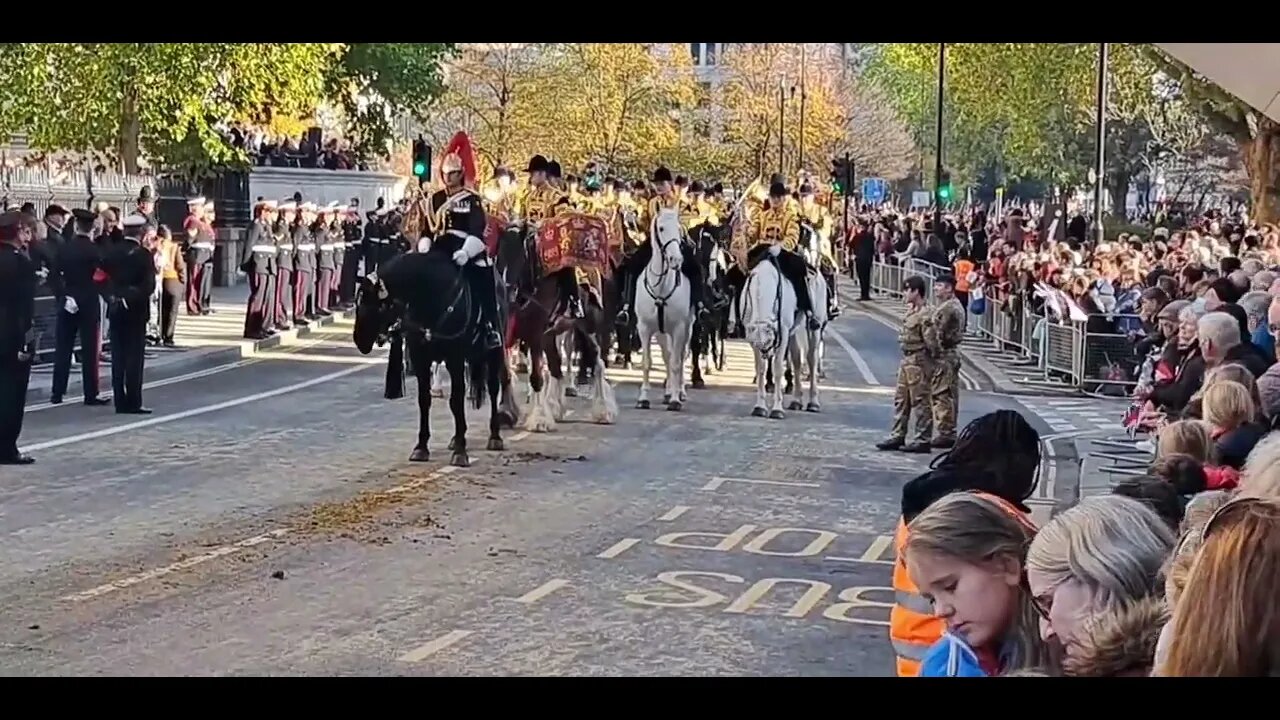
x=461 y=257
x=774 y=250
x=424 y=244
x=70 y=305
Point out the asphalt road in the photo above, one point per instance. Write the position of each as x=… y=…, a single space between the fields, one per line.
x=264 y=522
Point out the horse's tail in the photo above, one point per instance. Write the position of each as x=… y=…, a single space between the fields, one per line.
x=477 y=369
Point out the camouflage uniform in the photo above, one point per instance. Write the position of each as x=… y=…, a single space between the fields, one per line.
x=911 y=396
x=942 y=337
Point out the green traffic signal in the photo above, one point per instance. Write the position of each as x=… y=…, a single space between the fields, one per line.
x=944 y=193
x=419 y=169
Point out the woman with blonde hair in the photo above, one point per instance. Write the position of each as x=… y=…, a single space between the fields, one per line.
x=966 y=554
x=1231 y=415
x=1185 y=437
x=1227 y=623
x=1234 y=372
x=1095 y=574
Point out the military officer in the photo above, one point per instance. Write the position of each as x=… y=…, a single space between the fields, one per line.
x=259 y=263
x=282 y=232
x=457 y=223
x=778 y=226
x=944 y=335
x=812 y=212
x=325 y=263
x=375 y=236
x=353 y=236
x=304 y=265
x=200 y=244
x=17 y=344
x=911 y=396
x=338 y=239
x=131 y=273
x=664 y=198
x=79 y=309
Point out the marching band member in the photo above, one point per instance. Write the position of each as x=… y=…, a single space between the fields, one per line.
x=778 y=226
x=542 y=201
x=823 y=224
x=456 y=220
x=665 y=198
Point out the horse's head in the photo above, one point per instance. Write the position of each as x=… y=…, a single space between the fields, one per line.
x=375 y=313
x=513 y=252
x=666 y=233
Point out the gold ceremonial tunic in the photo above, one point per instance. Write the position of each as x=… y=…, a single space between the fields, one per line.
x=540 y=203
x=775 y=226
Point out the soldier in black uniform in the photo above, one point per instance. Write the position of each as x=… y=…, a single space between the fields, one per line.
x=353 y=235
x=17 y=346
x=282 y=231
x=259 y=263
x=374 y=236
x=304 y=266
x=79 y=310
x=131 y=273
x=457 y=223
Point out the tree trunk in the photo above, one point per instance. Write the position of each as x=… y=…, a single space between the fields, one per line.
x=128 y=144
x=1262 y=160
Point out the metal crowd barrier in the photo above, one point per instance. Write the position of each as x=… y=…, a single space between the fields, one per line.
x=1092 y=355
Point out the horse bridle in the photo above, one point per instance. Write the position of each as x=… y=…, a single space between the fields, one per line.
x=662 y=246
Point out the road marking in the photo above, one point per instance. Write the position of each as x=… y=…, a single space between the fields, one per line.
x=863 y=368
x=542 y=591
x=171 y=568
x=193 y=412
x=426 y=650
x=618 y=548
x=877 y=548
x=966 y=381
x=674 y=513
x=717 y=480
x=261 y=357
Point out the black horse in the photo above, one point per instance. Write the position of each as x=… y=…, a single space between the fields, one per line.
x=421 y=302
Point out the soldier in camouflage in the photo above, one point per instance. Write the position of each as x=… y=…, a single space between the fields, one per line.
x=911 y=396
x=945 y=332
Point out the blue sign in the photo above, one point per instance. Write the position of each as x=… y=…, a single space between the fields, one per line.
x=874 y=190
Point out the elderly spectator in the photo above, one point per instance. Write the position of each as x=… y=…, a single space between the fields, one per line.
x=1184 y=356
x=1256 y=304
x=1269 y=381
x=1262 y=281
x=1219 y=336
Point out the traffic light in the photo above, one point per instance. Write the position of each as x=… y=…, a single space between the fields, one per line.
x=421 y=159
x=944 y=187
x=841 y=174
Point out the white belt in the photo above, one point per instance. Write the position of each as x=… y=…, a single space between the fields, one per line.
x=284 y=247
x=306 y=246
x=381 y=241
x=340 y=246
x=326 y=246
x=202 y=246
x=264 y=248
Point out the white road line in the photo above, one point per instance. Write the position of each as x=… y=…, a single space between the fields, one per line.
x=674 y=513
x=190 y=562
x=426 y=650
x=193 y=412
x=837 y=558
x=262 y=356
x=542 y=591
x=618 y=548
x=863 y=368
x=877 y=548
x=966 y=380
x=717 y=481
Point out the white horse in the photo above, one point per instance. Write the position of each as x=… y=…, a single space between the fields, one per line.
x=768 y=320
x=662 y=309
x=807 y=343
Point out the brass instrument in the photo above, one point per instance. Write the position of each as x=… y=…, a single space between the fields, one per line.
x=417 y=220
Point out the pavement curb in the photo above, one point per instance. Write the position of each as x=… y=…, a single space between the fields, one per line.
x=198 y=358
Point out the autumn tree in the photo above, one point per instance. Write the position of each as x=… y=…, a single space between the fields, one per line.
x=766 y=86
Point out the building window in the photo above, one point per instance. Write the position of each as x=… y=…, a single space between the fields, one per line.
x=711 y=53
x=695 y=52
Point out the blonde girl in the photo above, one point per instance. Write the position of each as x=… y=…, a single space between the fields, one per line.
x=1186 y=437
x=966 y=554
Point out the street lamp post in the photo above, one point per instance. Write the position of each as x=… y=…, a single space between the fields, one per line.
x=782 y=118
x=937 y=164
x=1101 y=121
x=800 y=162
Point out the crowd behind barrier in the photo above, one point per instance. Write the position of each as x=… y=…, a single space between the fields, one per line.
x=1089 y=353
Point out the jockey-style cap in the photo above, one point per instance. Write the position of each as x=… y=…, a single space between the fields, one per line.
x=197 y=200
x=619 y=185
x=661 y=175
x=681 y=181
x=639 y=185
x=696 y=186
x=806 y=189
x=83 y=215
x=571 y=178
x=718 y=188
x=777 y=178
x=777 y=190
x=553 y=168
x=505 y=172
x=537 y=164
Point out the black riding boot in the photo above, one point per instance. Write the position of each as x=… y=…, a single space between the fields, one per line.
x=634 y=266
x=833 y=300
x=697 y=286
x=484 y=291
x=569 y=291
x=795 y=269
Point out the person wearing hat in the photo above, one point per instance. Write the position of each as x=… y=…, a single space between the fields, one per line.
x=943 y=335
x=664 y=198
x=259 y=263
x=556 y=178
x=77 y=298
x=145 y=205
x=375 y=235
x=337 y=239
x=198 y=229
x=17 y=342
x=701 y=211
x=776 y=229
x=131 y=273
x=326 y=265
x=304 y=265
x=456 y=222
x=282 y=232
x=353 y=236
x=820 y=221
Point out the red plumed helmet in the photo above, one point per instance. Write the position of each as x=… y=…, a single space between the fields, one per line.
x=458 y=155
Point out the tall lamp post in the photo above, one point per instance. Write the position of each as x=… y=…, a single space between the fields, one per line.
x=800 y=162
x=1101 y=140
x=782 y=117
x=937 y=164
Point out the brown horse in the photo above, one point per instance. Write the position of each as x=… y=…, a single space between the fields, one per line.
x=538 y=319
